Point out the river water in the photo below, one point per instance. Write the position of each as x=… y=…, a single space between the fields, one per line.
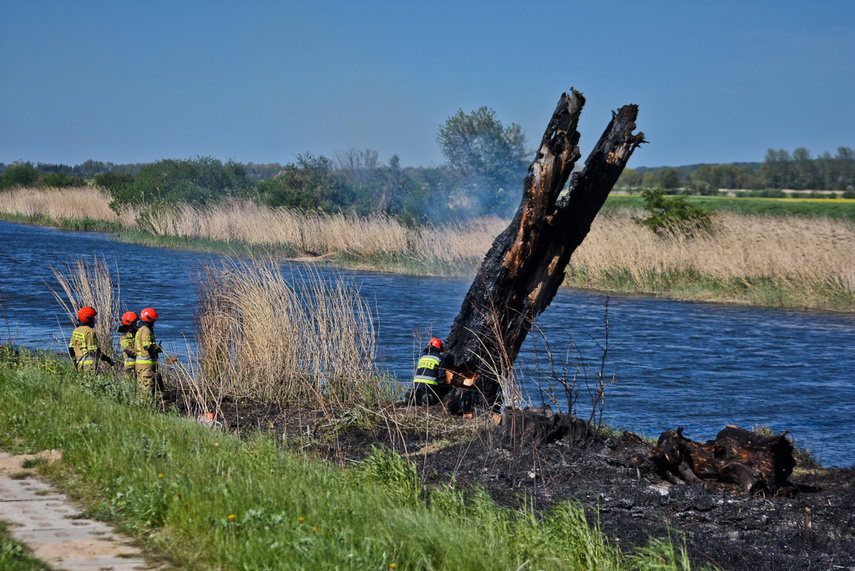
x=696 y=365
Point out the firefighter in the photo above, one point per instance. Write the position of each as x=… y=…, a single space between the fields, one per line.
x=127 y=341
x=429 y=384
x=83 y=348
x=147 y=349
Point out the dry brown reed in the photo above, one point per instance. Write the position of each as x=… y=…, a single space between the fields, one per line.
x=811 y=257
x=266 y=338
x=70 y=203
x=90 y=283
x=790 y=261
x=454 y=248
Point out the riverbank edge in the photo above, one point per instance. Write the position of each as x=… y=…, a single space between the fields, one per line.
x=678 y=286
x=73 y=474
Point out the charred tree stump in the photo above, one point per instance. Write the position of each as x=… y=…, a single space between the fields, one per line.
x=537 y=426
x=523 y=269
x=755 y=462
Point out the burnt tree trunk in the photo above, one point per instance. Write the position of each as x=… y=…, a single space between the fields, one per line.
x=755 y=462
x=523 y=269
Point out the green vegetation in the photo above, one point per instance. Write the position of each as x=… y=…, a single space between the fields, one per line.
x=692 y=285
x=21 y=174
x=75 y=224
x=840 y=209
x=674 y=214
x=491 y=159
x=14 y=556
x=780 y=170
x=200 y=498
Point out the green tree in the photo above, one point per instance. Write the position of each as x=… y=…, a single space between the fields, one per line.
x=776 y=170
x=805 y=172
x=648 y=180
x=308 y=184
x=844 y=169
x=19 y=173
x=489 y=157
x=669 y=178
x=629 y=178
x=117 y=183
x=60 y=180
x=195 y=181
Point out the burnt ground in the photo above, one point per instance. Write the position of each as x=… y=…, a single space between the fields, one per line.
x=808 y=524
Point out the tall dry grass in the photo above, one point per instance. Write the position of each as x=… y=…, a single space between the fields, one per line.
x=810 y=258
x=84 y=202
x=765 y=260
x=90 y=283
x=451 y=249
x=263 y=337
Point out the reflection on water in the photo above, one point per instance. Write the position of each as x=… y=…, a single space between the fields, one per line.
x=696 y=365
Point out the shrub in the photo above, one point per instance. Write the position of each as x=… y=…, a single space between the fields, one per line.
x=61 y=180
x=672 y=214
x=308 y=184
x=194 y=181
x=19 y=174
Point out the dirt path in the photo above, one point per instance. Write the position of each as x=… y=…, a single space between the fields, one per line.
x=46 y=521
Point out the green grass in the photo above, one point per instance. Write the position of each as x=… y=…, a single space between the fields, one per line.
x=77 y=224
x=842 y=209
x=201 y=498
x=206 y=245
x=14 y=556
x=690 y=285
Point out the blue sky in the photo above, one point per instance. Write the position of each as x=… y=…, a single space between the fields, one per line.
x=259 y=81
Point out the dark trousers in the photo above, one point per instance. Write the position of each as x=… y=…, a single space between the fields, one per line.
x=425 y=394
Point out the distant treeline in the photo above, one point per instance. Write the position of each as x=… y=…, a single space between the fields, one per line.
x=484 y=178
x=780 y=170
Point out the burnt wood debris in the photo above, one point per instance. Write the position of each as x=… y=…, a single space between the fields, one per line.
x=755 y=462
x=524 y=267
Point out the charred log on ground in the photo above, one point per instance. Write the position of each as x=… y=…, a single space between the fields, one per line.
x=525 y=266
x=756 y=462
x=539 y=426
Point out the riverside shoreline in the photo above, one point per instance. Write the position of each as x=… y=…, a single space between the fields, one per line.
x=762 y=261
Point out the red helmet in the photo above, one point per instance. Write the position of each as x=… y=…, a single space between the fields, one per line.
x=436 y=344
x=148 y=315
x=86 y=314
x=129 y=318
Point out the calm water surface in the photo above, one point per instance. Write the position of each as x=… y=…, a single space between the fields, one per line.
x=696 y=365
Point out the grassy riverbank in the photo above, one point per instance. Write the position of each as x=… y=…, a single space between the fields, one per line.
x=201 y=498
x=800 y=257
x=757 y=260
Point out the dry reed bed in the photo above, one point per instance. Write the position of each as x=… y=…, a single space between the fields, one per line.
x=264 y=337
x=457 y=245
x=802 y=253
x=90 y=284
x=65 y=203
x=808 y=256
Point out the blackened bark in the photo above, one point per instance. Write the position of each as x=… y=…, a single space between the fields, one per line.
x=524 y=268
x=756 y=462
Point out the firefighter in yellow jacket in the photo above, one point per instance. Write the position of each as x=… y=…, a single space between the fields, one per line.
x=147 y=349
x=127 y=341
x=429 y=384
x=83 y=348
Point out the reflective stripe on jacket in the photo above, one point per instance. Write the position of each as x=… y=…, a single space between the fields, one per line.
x=428 y=368
x=84 y=344
x=145 y=346
x=127 y=342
